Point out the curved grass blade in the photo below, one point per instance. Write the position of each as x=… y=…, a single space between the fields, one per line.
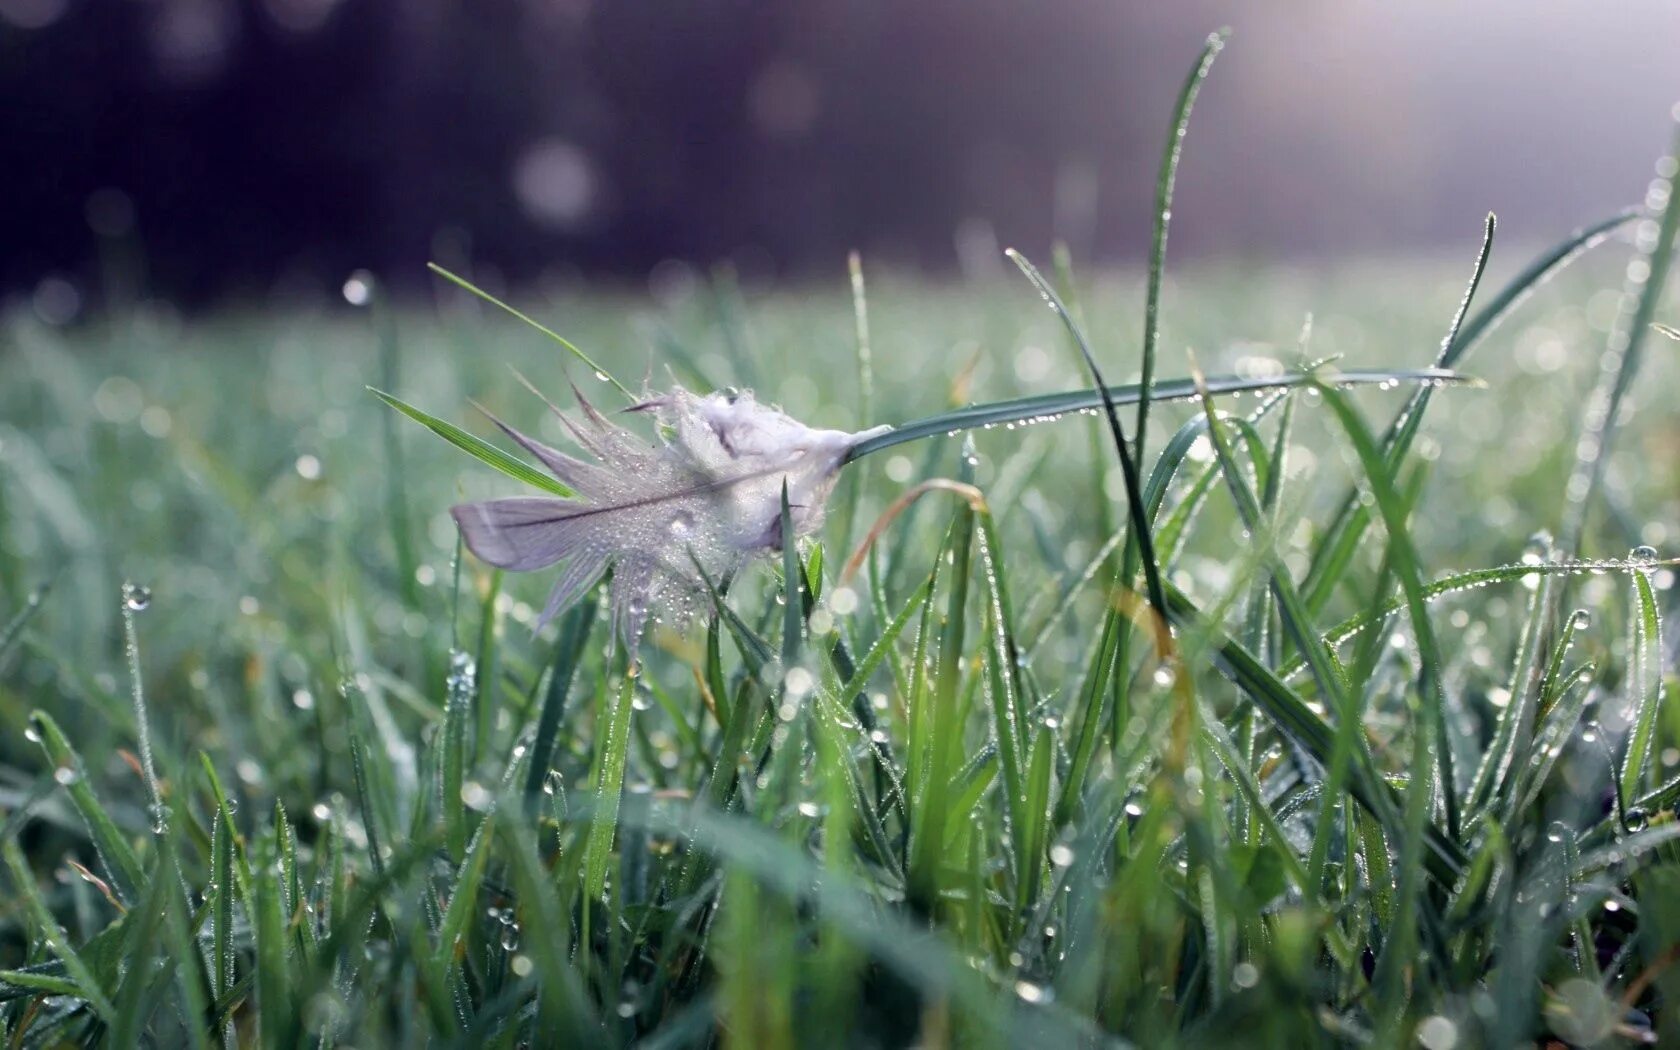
x=1053 y=406
x=1460 y=582
x=1341 y=540
x=1351 y=517
x=1624 y=351
x=478 y=448
x=1408 y=571
x=1128 y=464
x=87 y=985
x=1562 y=718
x=467 y=286
x=1296 y=720
x=113 y=849
x=1164 y=182
x=1295 y=618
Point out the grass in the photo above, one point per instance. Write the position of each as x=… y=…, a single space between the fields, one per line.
x=1402 y=772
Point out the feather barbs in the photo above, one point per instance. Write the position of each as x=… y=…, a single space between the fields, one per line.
x=706 y=495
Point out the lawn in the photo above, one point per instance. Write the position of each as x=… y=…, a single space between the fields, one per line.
x=281 y=765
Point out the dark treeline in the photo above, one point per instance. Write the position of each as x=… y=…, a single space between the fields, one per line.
x=243 y=145
x=207 y=148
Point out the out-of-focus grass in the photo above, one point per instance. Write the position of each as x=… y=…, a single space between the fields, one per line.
x=279 y=769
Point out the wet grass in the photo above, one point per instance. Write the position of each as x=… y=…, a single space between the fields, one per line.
x=1289 y=725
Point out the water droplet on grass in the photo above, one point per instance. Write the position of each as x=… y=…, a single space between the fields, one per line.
x=136 y=597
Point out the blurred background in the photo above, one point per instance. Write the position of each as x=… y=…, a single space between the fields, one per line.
x=208 y=151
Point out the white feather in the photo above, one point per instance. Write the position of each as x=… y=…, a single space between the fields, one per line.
x=707 y=492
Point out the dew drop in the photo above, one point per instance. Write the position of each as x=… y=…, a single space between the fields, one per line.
x=1581 y=620
x=136 y=597
x=1636 y=819
x=1643 y=556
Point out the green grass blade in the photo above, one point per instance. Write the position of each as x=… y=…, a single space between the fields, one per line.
x=1644 y=684
x=1165 y=179
x=87 y=986
x=575 y=627
x=458 y=692
x=1295 y=616
x=1407 y=569
x=1003 y=671
x=570 y=348
x=1539 y=270
x=1054 y=406
x=1549 y=744
x=1293 y=717
x=463 y=900
x=1140 y=531
x=943 y=725
x=1092 y=709
x=1399 y=950
x=1338 y=542
x=1624 y=351
x=1034 y=827
x=276 y=1008
x=563 y=1014
x=143 y=968
x=224 y=812
x=110 y=844
x=609 y=783
x=882 y=647
x=221 y=908
x=1516 y=722
x=476 y=447
x=1461 y=582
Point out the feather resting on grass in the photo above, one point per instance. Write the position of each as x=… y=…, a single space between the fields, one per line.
x=708 y=492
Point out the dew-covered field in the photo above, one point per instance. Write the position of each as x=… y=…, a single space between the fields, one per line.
x=312 y=779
